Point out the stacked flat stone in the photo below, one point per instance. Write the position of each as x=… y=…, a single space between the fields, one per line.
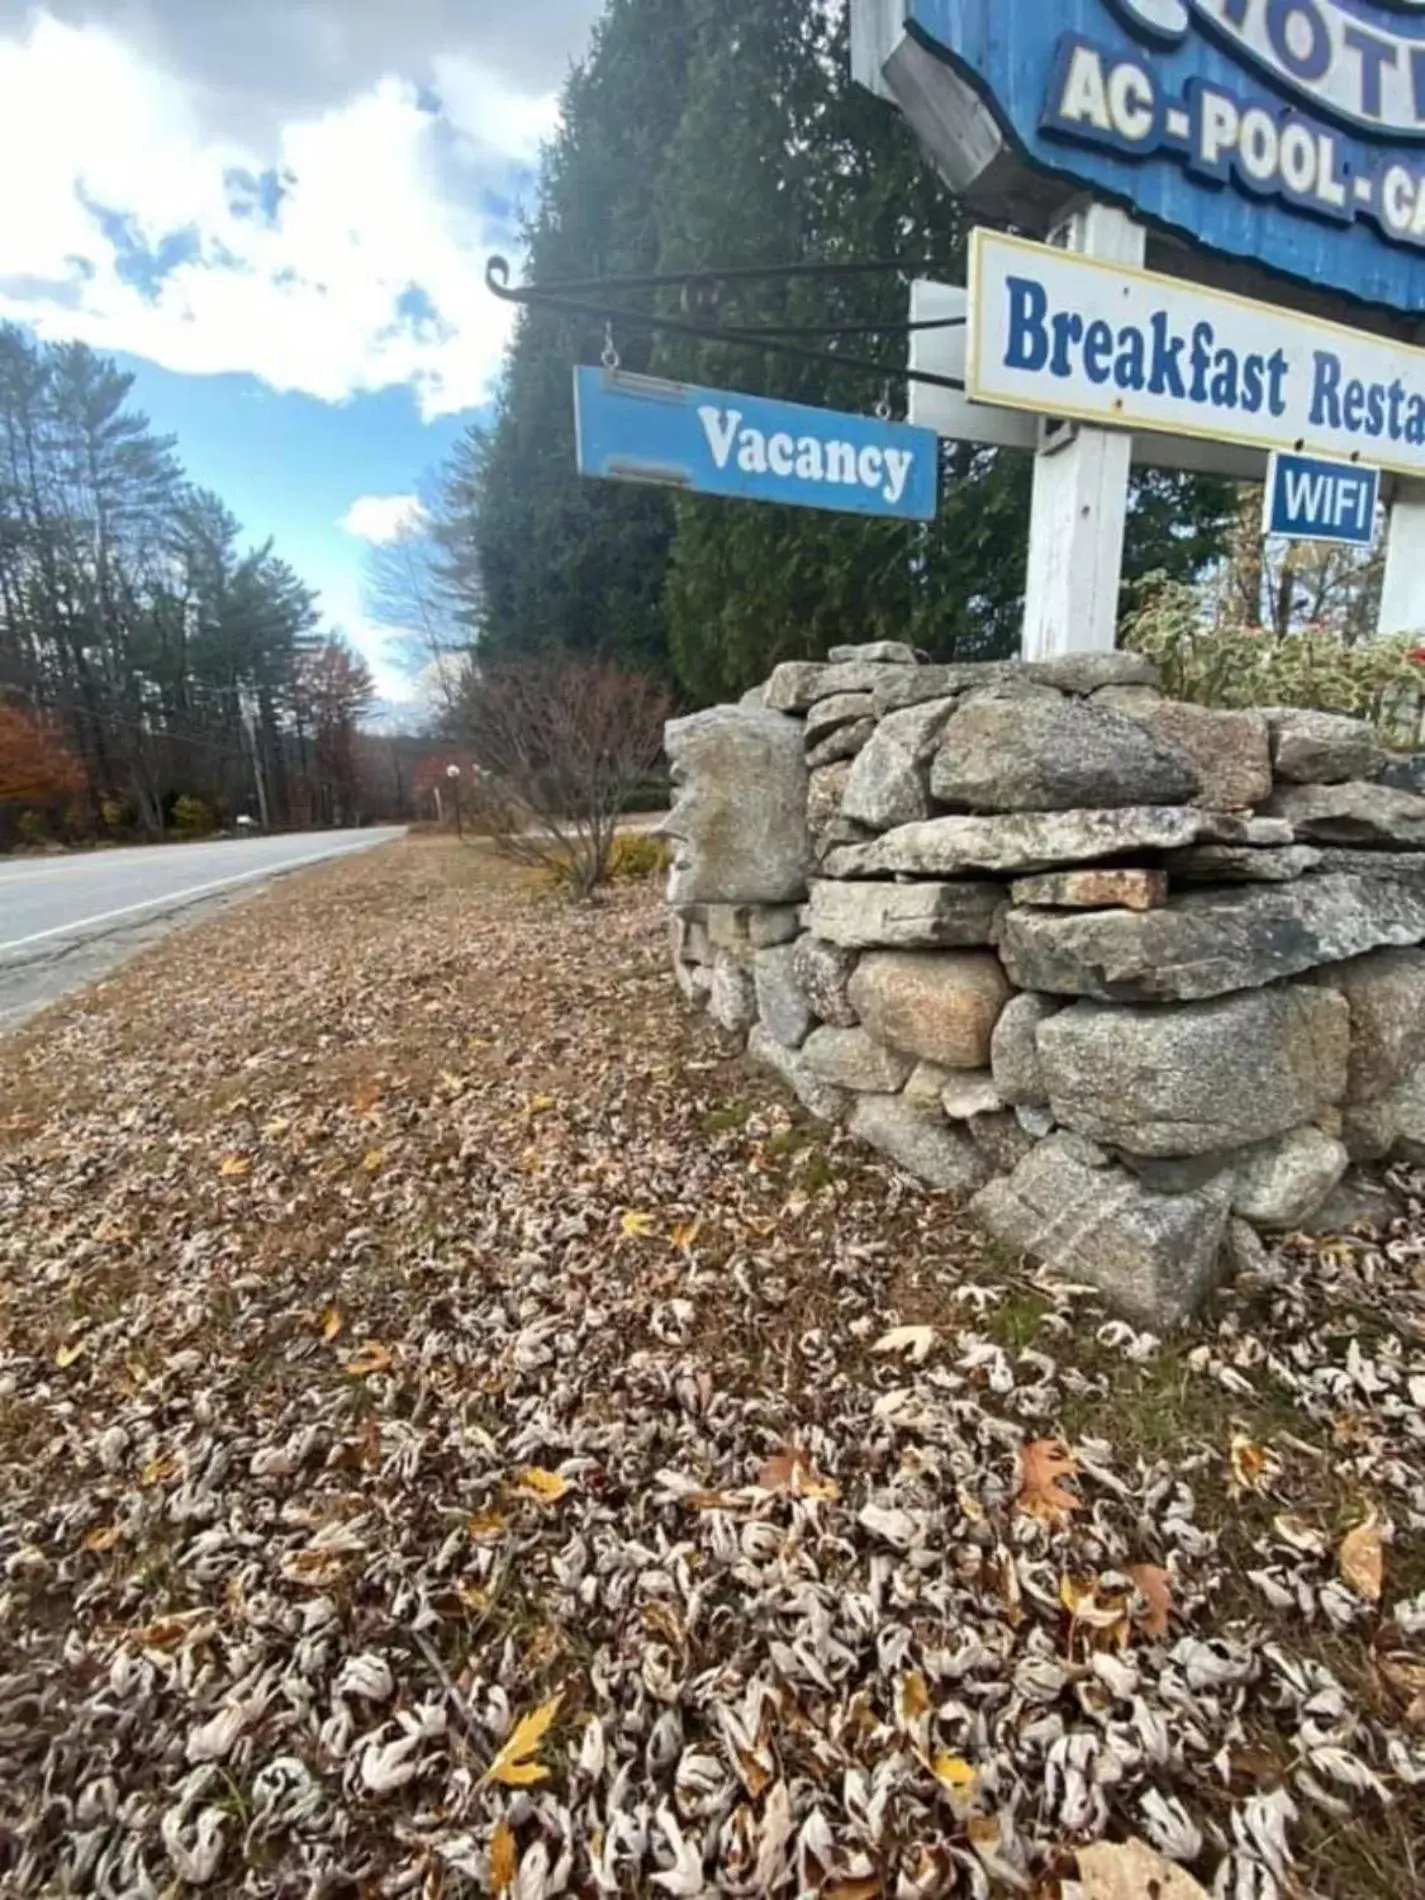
x=1142 y=978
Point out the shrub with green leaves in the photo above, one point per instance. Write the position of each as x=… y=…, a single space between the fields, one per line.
x=1216 y=663
x=192 y=818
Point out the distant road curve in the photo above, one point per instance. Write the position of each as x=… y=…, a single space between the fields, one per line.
x=48 y=905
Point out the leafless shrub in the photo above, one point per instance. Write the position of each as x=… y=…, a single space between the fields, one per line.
x=560 y=745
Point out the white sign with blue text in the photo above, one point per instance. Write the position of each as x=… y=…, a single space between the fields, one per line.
x=1311 y=500
x=751 y=448
x=1067 y=335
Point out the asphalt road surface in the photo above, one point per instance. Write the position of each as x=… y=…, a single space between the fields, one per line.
x=64 y=921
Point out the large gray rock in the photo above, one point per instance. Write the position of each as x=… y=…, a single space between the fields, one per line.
x=1283 y=1182
x=1092 y=672
x=1000 y=1141
x=875 y=653
x=939 y=1006
x=817 y=1097
x=905 y=916
x=968 y=1095
x=797 y=685
x=1369 y=1130
x=1407 y=1106
x=842 y=709
x=1038 y=841
x=739 y=808
x=824 y=971
x=1317 y=748
x=782 y=1003
x=843 y=742
x=1153 y=1256
x=900 y=687
x=1386 y=994
x=1211 y=942
x=1354 y=814
x=1358 y=1205
x=942 y=1156
x=1241 y=864
x=748 y=927
x=1014 y=1049
x=825 y=790
x=695 y=981
x=890 y=781
x=1231 y=750
x=1202 y=1077
x=732 y=1001
x=850 y=1059
x=1006 y=754
x=1405 y=772
x=1398 y=867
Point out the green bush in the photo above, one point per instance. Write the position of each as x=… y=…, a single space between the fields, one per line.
x=633 y=856
x=33 y=828
x=1220 y=664
x=192 y=818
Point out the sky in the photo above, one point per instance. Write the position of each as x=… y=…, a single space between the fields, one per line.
x=276 y=214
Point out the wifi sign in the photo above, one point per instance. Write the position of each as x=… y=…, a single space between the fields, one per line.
x=1311 y=500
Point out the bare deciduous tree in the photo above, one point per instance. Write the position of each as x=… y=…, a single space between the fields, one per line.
x=561 y=744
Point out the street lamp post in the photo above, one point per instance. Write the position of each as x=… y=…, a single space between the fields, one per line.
x=452 y=772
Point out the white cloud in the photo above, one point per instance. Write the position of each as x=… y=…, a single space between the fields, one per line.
x=370 y=274
x=381 y=519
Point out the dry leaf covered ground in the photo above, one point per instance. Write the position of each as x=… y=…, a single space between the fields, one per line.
x=461 y=1432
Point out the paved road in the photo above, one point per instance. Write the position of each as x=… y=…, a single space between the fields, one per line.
x=65 y=921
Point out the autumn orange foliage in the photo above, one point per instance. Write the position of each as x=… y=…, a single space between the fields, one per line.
x=35 y=767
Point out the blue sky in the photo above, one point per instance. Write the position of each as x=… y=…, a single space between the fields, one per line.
x=277 y=215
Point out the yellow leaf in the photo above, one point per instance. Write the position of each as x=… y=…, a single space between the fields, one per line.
x=372 y=1163
x=488 y=1524
x=547 y=1486
x=70 y=1355
x=158 y=1471
x=101 y=1540
x=1127 y=1872
x=235 y=1167
x=1363 y=1560
x=373 y=1357
x=1251 y=1464
x=472 y=1598
x=275 y=1130
x=454 y=1083
x=957 y=1776
x=914 y=1697
x=332 y=1324
x=517 y=1765
x=540 y=1104
x=638 y=1226
x=504 y=1859
x=686 y=1233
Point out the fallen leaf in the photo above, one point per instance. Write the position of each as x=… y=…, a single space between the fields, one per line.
x=686 y=1232
x=639 y=1226
x=1250 y=1463
x=332 y=1324
x=1363 y=1560
x=547 y=1486
x=1105 y=1612
x=791 y=1471
x=373 y=1357
x=504 y=1859
x=373 y=1162
x=71 y=1354
x=488 y=1524
x=1154 y=1586
x=917 y=1342
x=1041 y=1466
x=517 y=1764
x=1132 y=1870
x=956 y=1775
x=914 y=1697
x=868 y=1889
x=104 y=1539
x=235 y=1167
x=275 y=1130
x=158 y=1471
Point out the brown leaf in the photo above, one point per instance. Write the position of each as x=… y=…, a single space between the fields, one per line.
x=332 y=1324
x=1154 y=1586
x=914 y=1697
x=1362 y=1559
x=103 y=1539
x=868 y=1889
x=1132 y=1870
x=791 y=1471
x=517 y=1765
x=373 y=1357
x=235 y=1167
x=504 y=1859
x=1041 y=1466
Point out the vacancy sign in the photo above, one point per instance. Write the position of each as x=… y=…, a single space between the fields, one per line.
x=1311 y=500
x=1067 y=335
x=711 y=442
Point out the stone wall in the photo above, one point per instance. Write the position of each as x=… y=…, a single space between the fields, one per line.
x=1141 y=978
